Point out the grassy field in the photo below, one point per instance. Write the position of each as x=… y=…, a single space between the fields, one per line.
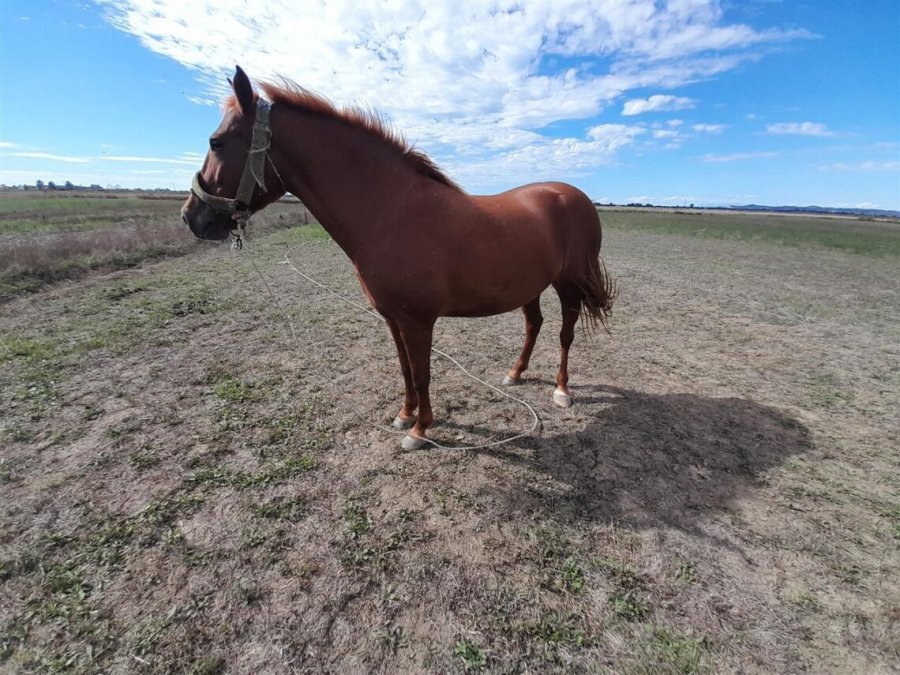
x=856 y=235
x=47 y=237
x=183 y=488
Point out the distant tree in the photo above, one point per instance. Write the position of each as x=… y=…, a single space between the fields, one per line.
x=51 y=185
x=69 y=185
x=39 y=184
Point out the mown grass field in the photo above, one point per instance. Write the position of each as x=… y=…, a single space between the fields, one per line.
x=866 y=236
x=184 y=489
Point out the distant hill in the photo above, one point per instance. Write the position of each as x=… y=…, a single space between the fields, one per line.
x=824 y=210
x=874 y=213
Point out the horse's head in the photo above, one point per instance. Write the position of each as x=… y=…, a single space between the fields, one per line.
x=237 y=177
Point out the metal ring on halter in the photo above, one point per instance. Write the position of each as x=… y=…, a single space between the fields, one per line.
x=237 y=235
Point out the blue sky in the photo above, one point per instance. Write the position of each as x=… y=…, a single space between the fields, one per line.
x=711 y=103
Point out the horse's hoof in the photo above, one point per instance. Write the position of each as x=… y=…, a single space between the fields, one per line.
x=507 y=381
x=561 y=398
x=411 y=442
x=403 y=424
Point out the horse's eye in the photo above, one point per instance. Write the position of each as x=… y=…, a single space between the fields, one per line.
x=215 y=144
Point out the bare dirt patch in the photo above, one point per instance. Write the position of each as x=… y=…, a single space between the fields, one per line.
x=184 y=489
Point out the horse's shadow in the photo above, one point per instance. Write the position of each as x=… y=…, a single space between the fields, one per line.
x=646 y=460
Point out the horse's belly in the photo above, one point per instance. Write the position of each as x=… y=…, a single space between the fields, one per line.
x=484 y=310
x=495 y=293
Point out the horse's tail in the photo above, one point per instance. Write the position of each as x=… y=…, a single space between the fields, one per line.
x=598 y=293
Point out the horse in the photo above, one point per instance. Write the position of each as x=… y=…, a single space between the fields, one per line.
x=422 y=247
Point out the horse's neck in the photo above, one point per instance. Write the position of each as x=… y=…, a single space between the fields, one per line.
x=346 y=177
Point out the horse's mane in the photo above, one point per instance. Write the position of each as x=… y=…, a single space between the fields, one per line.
x=286 y=92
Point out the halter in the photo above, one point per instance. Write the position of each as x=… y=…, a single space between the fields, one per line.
x=253 y=175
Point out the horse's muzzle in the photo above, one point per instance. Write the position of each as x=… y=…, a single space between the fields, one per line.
x=205 y=222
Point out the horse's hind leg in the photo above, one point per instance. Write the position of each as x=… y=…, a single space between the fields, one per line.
x=570 y=299
x=407 y=415
x=416 y=337
x=533 y=321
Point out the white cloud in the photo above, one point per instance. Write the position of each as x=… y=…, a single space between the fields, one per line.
x=615 y=136
x=8 y=144
x=545 y=158
x=463 y=80
x=709 y=128
x=865 y=166
x=798 y=129
x=676 y=199
x=203 y=100
x=51 y=157
x=656 y=103
x=665 y=134
x=186 y=158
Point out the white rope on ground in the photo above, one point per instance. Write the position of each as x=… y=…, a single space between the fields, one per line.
x=535 y=422
x=275 y=301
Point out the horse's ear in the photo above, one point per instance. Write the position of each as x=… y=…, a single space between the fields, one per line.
x=243 y=90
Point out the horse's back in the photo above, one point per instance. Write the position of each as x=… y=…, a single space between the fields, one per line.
x=564 y=211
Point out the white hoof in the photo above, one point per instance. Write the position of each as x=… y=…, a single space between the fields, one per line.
x=403 y=424
x=507 y=381
x=411 y=442
x=561 y=398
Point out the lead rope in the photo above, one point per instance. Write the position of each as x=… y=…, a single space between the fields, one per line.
x=535 y=419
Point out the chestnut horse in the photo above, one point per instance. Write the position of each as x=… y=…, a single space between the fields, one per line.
x=421 y=246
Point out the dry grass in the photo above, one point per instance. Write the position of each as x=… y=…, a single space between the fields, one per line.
x=52 y=237
x=32 y=262
x=183 y=490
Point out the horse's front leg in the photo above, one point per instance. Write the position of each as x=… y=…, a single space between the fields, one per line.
x=416 y=337
x=407 y=415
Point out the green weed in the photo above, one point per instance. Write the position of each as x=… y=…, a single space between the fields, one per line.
x=209 y=665
x=271 y=474
x=686 y=572
x=27 y=349
x=628 y=605
x=356 y=519
x=392 y=639
x=234 y=390
x=558 y=629
x=281 y=508
x=370 y=550
x=666 y=651
x=571 y=575
x=145 y=458
x=473 y=657
x=253 y=537
x=149 y=635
